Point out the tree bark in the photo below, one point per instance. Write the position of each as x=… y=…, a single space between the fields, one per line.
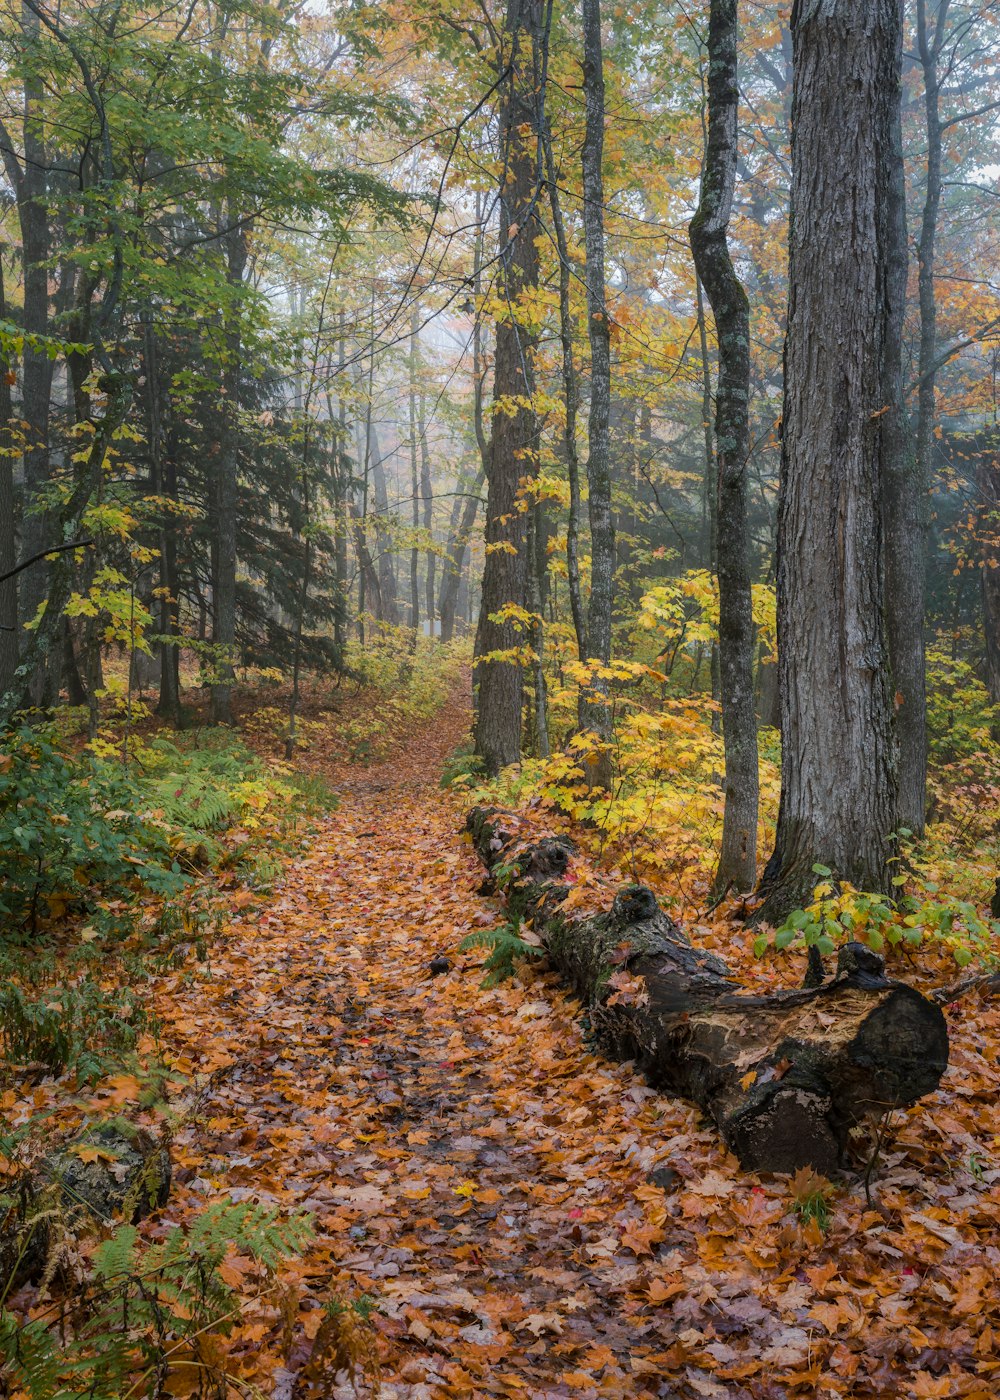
x=414 y=482
x=8 y=536
x=451 y=572
x=988 y=483
x=784 y=1077
x=595 y=711
x=709 y=232
x=38 y=528
x=838 y=781
x=498 y=670
x=226 y=488
x=571 y=401
x=903 y=514
x=427 y=496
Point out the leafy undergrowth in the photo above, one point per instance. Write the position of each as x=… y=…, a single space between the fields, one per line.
x=525 y=1218
x=506 y=1213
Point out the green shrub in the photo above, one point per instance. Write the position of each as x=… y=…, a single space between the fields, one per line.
x=960 y=715
x=924 y=914
x=68 y=831
x=78 y=1025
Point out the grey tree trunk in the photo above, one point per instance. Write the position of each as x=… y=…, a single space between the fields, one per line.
x=8 y=538
x=988 y=483
x=389 y=607
x=458 y=545
x=904 y=481
x=427 y=496
x=571 y=400
x=414 y=483
x=226 y=487
x=595 y=711
x=38 y=529
x=710 y=496
x=498 y=668
x=838 y=778
x=737 y=868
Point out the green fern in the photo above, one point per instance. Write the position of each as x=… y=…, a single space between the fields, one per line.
x=121 y=1333
x=505 y=944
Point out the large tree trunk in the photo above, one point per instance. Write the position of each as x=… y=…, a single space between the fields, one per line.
x=838 y=784
x=513 y=441
x=709 y=243
x=784 y=1077
x=595 y=711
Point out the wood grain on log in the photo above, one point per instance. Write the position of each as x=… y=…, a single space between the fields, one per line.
x=784 y=1076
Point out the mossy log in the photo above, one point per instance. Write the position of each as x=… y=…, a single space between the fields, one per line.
x=786 y=1076
x=114 y=1172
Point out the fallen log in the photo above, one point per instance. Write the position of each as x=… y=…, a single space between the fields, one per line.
x=785 y=1076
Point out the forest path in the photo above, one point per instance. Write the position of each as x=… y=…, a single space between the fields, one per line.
x=468 y=1162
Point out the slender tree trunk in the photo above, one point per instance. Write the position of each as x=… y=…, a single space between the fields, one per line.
x=535 y=532
x=513 y=442
x=427 y=497
x=988 y=482
x=571 y=400
x=383 y=533
x=838 y=782
x=737 y=868
x=710 y=495
x=454 y=562
x=226 y=488
x=169 y=705
x=414 y=484
x=905 y=481
x=8 y=538
x=36 y=378
x=595 y=712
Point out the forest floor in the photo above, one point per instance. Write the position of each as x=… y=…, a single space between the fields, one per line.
x=479 y=1172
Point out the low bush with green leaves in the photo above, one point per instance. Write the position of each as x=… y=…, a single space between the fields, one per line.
x=839 y=913
x=79 y=1025
x=961 y=718
x=69 y=831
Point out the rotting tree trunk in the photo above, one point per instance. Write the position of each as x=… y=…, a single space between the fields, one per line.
x=709 y=232
x=838 y=781
x=784 y=1077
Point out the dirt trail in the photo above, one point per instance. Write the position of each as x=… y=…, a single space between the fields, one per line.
x=476 y=1170
x=468 y=1162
